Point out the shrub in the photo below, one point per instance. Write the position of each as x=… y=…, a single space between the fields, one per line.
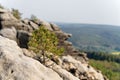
x=16 y=13
x=1 y=7
x=43 y=40
x=34 y=18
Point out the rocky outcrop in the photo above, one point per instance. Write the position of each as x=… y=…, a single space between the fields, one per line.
x=81 y=70
x=23 y=38
x=15 y=66
x=9 y=33
x=71 y=69
x=62 y=72
x=6 y=15
x=18 y=63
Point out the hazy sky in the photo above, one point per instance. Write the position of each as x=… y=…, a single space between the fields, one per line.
x=77 y=11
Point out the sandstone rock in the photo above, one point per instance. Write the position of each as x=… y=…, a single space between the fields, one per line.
x=26 y=27
x=15 y=66
x=80 y=56
x=67 y=43
x=44 y=23
x=26 y=21
x=9 y=33
x=83 y=69
x=62 y=72
x=6 y=15
x=23 y=38
x=47 y=26
x=33 y=25
x=62 y=35
x=69 y=35
x=70 y=50
x=55 y=27
x=17 y=24
x=3 y=10
x=77 y=64
x=28 y=53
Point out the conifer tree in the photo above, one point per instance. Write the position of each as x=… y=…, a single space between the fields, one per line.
x=43 y=40
x=16 y=13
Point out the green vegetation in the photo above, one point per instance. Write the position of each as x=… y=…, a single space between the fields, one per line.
x=94 y=38
x=1 y=6
x=44 y=40
x=33 y=18
x=109 y=64
x=109 y=69
x=16 y=13
x=116 y=53
x=103 y=56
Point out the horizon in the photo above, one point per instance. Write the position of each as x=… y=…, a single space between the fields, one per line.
x=85 y=23
x=74 y=11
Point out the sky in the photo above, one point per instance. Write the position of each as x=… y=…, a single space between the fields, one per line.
x=75 y=11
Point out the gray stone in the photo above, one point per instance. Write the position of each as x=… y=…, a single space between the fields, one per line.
x=33 y=25
x=44 y=23
x=25 y=21
x=17 y=24
x=23 y=38
x=28 y=53
x=9 y=33
x=67 y=43
x=26 y=27
x=6 y=15
x=62 y=72
x=55 y=27
x=15 y=66
x=91 y=73
x=30 y=23
x=3 y=10
x=62 y=35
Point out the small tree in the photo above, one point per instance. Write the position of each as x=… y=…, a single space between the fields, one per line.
x=1 y=7
x=43 y=40
x=33 y=17
x=16 y=13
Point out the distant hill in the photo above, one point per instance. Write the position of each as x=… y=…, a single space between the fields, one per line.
x=92 y=37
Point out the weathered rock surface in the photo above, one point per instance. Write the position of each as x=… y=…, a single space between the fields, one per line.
x=6 y=15
x=15 y=66
x=23 y=38
x=81 y=70
x=54 y=27
x=46 y=24
x=9 y=33
x=33 y=25
x=62 y=72
x=28 y=53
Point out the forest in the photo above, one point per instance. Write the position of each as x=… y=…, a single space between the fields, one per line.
x=93 y=37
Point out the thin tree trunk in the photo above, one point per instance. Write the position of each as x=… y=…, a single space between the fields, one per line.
x=43 y=52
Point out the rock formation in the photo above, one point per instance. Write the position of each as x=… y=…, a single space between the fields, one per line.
x=18 y=63
x=16 y=66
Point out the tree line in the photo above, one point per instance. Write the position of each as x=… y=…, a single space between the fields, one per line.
x=103 y=56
